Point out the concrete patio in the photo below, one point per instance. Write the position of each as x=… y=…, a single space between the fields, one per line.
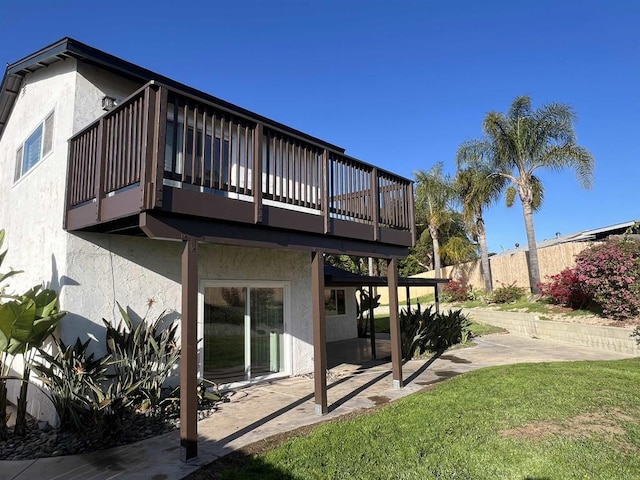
x=257 y=412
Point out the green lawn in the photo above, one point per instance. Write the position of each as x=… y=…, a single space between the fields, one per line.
x=578 y=420
x=423 y=300
x=477 y=329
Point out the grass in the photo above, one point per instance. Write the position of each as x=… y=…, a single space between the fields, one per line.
x=567 y=420
x=477 y=329
x=423 y=300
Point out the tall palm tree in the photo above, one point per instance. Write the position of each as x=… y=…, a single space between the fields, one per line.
x=477 y=189
x=524 y=140
x=434 y=194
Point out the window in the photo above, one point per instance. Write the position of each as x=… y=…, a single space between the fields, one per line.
x=35 y=148
x=334 y=302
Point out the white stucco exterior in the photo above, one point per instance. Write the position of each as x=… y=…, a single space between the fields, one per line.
x=343 y=327
x=93 y=271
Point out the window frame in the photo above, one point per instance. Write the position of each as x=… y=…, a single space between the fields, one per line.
x=45 y=129
x=339 y=300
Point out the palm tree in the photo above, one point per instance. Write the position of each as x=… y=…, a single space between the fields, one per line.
x=477 y=189
x=524 y=140
x=434 y=194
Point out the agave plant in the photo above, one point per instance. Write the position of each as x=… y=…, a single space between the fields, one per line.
x=71 y=374
x=143 y=354
x=433 y=332
x=446 y=330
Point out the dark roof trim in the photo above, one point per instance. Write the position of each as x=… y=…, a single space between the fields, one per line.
x=68 y=47
x=337 y=277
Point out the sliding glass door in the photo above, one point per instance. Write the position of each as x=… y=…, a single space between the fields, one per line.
x=243 y=332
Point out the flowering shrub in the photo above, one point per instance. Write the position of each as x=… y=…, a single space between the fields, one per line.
x=565 y=289
x=507 y=294
x=610 y=272
x=456 y=290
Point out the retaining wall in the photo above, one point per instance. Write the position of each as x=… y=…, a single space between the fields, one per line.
x=613 y=339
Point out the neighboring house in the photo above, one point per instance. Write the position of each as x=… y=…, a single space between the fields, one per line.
x=122 y=185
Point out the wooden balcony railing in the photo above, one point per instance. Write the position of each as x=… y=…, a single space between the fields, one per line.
x=161 y=138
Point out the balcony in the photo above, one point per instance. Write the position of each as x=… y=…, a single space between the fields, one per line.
x=168 y=153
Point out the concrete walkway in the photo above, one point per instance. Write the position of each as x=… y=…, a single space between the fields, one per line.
x=262 y=410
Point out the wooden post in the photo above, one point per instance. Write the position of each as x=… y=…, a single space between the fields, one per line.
x=257 y=173
x=189 y=355
x=372 y=321
x=319 y=333
x=375 y=204
x=407 y=290
x=324 y=192
x=159 y=127
x=394 y=323
x=101 y=153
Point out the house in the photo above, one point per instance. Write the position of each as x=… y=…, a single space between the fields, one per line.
x=120 y=184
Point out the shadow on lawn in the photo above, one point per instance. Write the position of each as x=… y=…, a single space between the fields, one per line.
x=246 y=467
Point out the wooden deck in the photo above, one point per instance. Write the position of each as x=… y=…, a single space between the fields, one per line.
x=166 y=155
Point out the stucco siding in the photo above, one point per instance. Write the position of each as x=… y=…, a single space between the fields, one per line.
x=103 y=269
x=92 y=85
x=343 y=327
x=32 y=209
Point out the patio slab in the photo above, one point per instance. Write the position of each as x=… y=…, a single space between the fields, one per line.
x=260 y=411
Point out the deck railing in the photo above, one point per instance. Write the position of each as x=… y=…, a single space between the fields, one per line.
x=162 y=137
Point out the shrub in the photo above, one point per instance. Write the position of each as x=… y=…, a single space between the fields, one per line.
x=431 y=332
x=412 y=330
x=610 y=272
x=456 y=291
x=107 y=393
x=507 y=294
x=445 y=331
x=143 y=356
x=72 y=375
x=566 y=289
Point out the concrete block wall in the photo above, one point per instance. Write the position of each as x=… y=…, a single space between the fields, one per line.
x=613 y=339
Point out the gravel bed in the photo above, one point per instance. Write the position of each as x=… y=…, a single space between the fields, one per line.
x=52 y=442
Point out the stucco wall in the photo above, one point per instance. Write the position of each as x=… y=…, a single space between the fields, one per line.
x=342 y=327
x=31 y=209
x=92 y=84
x=103 y=269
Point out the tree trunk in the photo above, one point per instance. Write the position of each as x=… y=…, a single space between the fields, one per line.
x=436 y=253
x=436 y=258
x=484 y=255
x=21 y=413
x=534 y=266
x=3 y=410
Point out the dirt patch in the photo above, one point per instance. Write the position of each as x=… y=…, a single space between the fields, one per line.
x=580 y=426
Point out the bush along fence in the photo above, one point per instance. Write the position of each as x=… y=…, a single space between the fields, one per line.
x=606 y=277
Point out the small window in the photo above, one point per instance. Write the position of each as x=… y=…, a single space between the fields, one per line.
x=334 y=302
x=35 y=148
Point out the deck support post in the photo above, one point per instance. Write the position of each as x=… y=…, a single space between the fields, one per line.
x=372 y=321
x=394 y=323
x=189 y=355
x=319 y=333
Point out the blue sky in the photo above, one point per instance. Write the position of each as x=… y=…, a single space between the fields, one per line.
x=398 y=84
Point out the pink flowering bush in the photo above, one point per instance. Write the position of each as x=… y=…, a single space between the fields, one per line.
x=566 y=289
x=456 y=290
x=610 y=272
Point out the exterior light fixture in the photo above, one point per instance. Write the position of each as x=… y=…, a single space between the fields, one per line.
x=108 y=103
